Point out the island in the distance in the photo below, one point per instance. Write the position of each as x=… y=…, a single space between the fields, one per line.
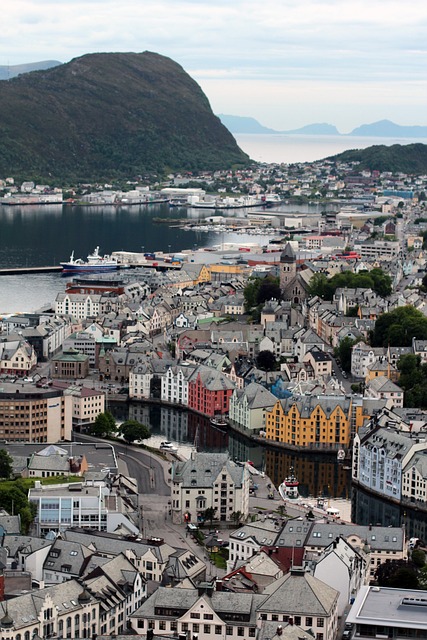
x=380 y=129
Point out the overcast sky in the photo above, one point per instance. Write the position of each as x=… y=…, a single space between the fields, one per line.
x=285 y=62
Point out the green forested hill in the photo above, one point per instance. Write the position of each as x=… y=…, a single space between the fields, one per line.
x=410 y=158
x=110 y=114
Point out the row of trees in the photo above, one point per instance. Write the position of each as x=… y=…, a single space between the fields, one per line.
x=105 y=426
x=376 y=279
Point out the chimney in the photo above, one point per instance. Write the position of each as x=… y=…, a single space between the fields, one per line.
x=279 y=630
x=290 y=622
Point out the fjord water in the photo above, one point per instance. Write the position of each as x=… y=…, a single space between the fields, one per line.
x=32 y=236
x=278 y=148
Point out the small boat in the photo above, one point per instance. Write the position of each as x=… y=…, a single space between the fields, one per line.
x=340 y=455
x=168 y=446
x=95 y=262
x=219 y=422
x=289 y=488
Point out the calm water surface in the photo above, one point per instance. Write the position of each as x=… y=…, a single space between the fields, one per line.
x=289 y=149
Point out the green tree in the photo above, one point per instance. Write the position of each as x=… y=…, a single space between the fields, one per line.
x=321 y=286
x=422 y=577
x=398 y=574
x=250 y=293
x=266 y=361
x=418 y=557
x=237 y=516
x=268 y=289
x=343 y=352
x=209 y=514
x=132 y=430
x=398 y=327
x=104 y=425
x=6 y=462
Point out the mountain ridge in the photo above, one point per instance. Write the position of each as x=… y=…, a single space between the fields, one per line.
x=410 y=158
x=107 y=114
x=381 y=128
x=11 y=71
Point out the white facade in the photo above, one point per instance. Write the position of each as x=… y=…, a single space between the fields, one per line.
x=209 y=480
x=140 y=382
x=175 y=386
x=344 y=569
x=380 y=457
x=362 y=357
x=80 y=306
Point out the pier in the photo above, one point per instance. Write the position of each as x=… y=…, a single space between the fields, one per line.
x=16 y=271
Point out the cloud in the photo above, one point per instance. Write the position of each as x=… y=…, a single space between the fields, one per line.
x=357 y=43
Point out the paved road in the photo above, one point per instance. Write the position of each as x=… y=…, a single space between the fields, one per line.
x=147 y=468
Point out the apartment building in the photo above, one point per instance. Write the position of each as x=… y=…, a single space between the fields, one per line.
x=313 y=421
x=209 y=480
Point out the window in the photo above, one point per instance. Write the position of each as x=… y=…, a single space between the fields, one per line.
x=229 y=630
x=320 y=622
x=196 y=628
x=206 y=628
x=309 y=622
x=162 y=625
x=195 y=616
x=218 y=629
x=297 y=620
x=184 y=626
x=252 y=633
x=240 y=631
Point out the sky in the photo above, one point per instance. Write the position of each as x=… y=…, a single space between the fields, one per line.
x=286 y=63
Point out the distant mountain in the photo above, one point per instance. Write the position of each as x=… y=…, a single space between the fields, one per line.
x=110 y=114
x=388 y=129
x=380 y=129
x=11 y=71
x=318 y=129
x=240 y=124
x=410 y=158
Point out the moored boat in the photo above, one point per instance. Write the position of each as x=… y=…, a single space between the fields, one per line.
x=95 y=262
x=219 y=422
x=288 y=490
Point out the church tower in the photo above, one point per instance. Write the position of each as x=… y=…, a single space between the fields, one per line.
x=288 y=267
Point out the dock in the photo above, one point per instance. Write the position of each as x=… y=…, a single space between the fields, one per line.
x=16 y=271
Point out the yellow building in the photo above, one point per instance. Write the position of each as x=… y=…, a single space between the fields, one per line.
x=382 y=368
x=315 y=422
x=219 y=272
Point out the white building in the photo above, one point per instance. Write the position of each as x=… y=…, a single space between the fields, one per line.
x=362 y=357
x=248 y=406
x=297 y=598
x=379 y=458
x=209 y=480
x=399 y=613
x=343 y=568
x=79 y=505
x=78 y=305
x=248 y=540
x=175 y=384
x=140 y=381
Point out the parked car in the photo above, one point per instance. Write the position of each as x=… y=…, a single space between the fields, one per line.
x=346 y=635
